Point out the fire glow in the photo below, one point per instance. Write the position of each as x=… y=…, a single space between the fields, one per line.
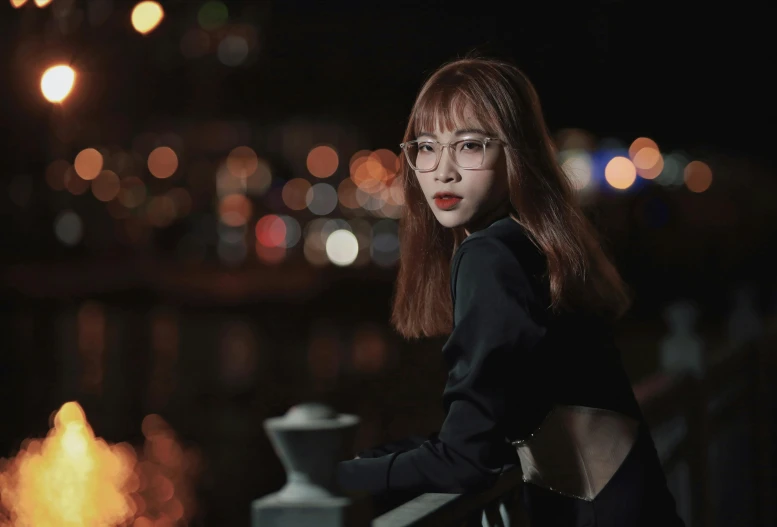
x=73 y=479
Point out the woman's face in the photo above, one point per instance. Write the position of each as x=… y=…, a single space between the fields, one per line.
x=478 y=195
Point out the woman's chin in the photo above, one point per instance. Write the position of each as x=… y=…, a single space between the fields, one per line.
x=449 y=219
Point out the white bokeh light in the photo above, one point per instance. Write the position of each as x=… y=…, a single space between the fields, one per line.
x=577 y=165
x=233 y=50
x=321 y=199
x=68 y=227
x=342 y=248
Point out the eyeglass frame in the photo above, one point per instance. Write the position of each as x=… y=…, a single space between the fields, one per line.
x=484 y=140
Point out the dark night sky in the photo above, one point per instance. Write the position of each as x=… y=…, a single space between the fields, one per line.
x=682 y=75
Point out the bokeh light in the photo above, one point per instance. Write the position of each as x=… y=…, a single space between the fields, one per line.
x=233 y=50
x=75 y=184
x=270 y=231
x=146 y=16
x=212 y=15
x=55 y=174
x=385 y=243
x=620 y=173
x=235 y=210
x=346 y=194
x=68 y=228
x=322 y=161
x=578 y=167
x=162 y=162
x=57 y=82
x=42 y=3
x=342 y=247
x=242 y=161
x=672 y=173
x=106 y=185
x=132 y=193
x=295 y=193
x=18 y=3
x=293 y=231
x=321 y=199
x=697 y=176
x=639 y=143
x=88 y=163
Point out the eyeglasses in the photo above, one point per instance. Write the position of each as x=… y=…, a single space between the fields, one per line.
x=424 y=154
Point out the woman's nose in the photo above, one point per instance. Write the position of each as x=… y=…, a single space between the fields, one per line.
x=446 y=170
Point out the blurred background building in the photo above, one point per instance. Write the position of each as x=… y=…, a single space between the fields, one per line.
x=200 y=215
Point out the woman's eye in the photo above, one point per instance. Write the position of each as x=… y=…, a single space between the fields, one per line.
x=470 y=145
x=425 y=147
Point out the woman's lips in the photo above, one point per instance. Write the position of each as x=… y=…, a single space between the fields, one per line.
x=447 y=202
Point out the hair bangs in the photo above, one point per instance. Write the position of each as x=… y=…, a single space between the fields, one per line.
x=447 y=106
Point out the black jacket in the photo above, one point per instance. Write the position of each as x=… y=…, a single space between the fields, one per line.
x=510 y=361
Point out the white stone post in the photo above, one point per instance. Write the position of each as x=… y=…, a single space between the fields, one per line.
x=310 y=440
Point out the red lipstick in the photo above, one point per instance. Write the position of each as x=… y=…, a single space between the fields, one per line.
x=446 y=200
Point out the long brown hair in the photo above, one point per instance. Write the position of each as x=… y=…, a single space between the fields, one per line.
x=503 y=100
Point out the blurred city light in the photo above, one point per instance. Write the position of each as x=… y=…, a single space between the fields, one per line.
x=295 y=193
x=146 y=16
x=235 y=210
x=270 y=231
x=42 y=3
x=321 y=199
x=342 y=247
x=88 y=163
x=162 y=162
x=698 y=176
x=18 y=3
x=620 y=173
x=322 y=161
x=242 y=161
x=68 y=227
x=106 y=185
x=57 y=82
x=233 y=50
x=212 y=15
x=578 y=167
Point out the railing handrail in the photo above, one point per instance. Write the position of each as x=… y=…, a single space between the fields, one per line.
x=662 y=397
x=446 y=509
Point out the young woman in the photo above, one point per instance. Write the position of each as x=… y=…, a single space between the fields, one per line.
x=496 y=253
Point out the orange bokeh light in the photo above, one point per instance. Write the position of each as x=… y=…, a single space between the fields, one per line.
x=88 y=163
x=242 y=162
x=235 y=210
x=322 y=161
x=639 y=143
x=295 y=193
x=697 y=176
x=369 y=173
x=162 y=162
x=106 y=186
x=620 y=173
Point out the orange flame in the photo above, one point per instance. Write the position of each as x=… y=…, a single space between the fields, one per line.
x=74 y=479
x=70 y=478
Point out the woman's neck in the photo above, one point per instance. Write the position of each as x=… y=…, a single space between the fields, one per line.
x=487 y=219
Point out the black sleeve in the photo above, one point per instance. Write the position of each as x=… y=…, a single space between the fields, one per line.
x=491 y=325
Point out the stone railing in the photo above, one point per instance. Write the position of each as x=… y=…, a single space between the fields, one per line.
x=686 y=413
